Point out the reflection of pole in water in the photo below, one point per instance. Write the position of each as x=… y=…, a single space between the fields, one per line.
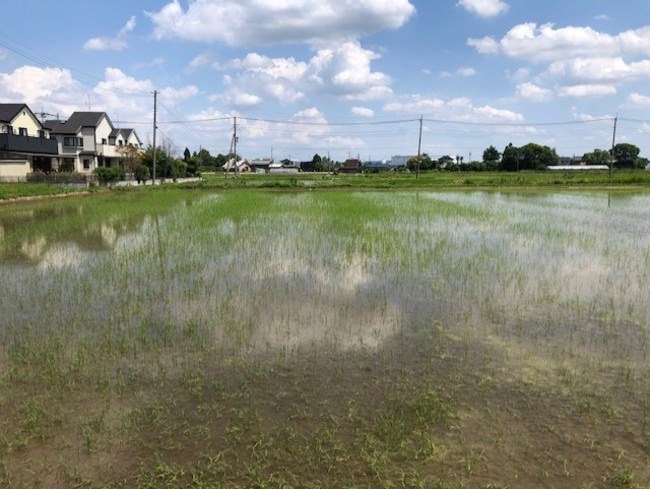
x=160 y=250
x=609 y=200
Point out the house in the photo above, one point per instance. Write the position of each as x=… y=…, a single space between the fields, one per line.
x=351 y=165
x=25 y=144
x=261 y=165
x=240 y=166
x=88 y=140
x=308 y=166
x=285 y=167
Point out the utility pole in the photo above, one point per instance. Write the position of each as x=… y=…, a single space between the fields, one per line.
x=155 y=126
x=417 y=166
x=611 y=160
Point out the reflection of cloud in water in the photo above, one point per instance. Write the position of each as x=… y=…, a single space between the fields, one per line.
x=33 y=248
x=62 y=256
x=291 y=302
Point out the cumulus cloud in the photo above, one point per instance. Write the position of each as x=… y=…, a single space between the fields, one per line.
x=582 y=56
x=545 y=42
x=57 y=91
x=255 y=22
x=485 y=45
x=532 y=92
x=638 y=100
x=363 y=112
x=117 y=43
x=343 y=71
x=611 y=69
x=460 y=109
x=586 y=90
x=484 y=8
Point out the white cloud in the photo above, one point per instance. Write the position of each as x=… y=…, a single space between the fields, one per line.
x=546 y=43
x=598 y=69
x=586 y=90
x=466 y=72
x=56 y=90
x=601 y=17
x=638 y=100
x=117 y=43
x=200 y=60
x=458 y=109
x=342 y=71
x=246 y=22
x=239 y=98
x=532 y=92
x=485 y=45
x=463 y=72
x=363 y=112
x=484 y=8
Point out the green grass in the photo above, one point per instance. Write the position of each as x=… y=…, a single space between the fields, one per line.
x=18 y=190
x=432 y=179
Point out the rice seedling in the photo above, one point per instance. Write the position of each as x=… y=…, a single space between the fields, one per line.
x=184 y=338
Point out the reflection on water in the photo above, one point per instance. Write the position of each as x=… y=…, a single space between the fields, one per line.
x=264 y=271
x=65 y=233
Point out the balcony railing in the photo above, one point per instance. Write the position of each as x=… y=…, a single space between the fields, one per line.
x=27 y=144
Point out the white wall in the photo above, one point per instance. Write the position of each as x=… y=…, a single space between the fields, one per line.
x=27 y=120
x=12 y=170
x=103 y=130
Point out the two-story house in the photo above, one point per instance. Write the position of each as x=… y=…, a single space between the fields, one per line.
x=88 y=140
x=25 y=144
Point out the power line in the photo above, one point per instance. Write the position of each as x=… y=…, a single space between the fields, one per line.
x=519 y=124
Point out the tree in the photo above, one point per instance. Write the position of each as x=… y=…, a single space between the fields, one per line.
x=187 y=156
x=425 y=161
x=597 y=157
x=491 y=154
x=529 y=157
x=510 y=158
x=537 y=157
x=626 y=155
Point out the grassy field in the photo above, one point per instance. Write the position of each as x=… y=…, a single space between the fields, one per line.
x=17 y=190
x=432 y=180
x=436 y=339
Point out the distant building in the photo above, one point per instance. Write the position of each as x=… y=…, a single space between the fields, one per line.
x=307 y=166
x=351 y=165
x=398 y=161
x=261 y=165
x=571 y=160
x=376 y=166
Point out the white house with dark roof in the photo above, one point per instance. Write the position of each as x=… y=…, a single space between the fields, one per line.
x=88 y=140
x=25 y=144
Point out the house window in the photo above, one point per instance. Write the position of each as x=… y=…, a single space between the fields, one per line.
x=9 y=129
x=103 y=140
x=41 y=133
x=72 y=141
x=121 y=142
x=86 y=164
x=22 y=131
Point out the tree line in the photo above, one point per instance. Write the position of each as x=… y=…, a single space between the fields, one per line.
x=531 y=156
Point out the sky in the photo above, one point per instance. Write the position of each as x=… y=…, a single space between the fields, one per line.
x=348 y=78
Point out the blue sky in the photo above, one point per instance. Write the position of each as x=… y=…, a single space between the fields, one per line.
x=480 y=72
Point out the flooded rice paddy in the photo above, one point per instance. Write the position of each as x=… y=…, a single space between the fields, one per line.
x=326 y=339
